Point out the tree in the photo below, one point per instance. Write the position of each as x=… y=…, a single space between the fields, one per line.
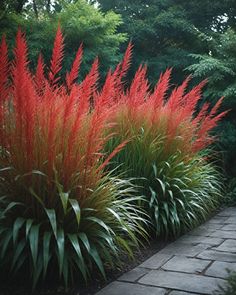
x=81 y=23
x=219 y=66
x=165 y=32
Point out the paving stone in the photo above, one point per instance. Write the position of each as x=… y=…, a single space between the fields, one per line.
x=204 y=232
x=134 y=274
x=180 y=271
x=180 y=281
x=229 y=227
x=210 y=226
x=181 y=293
x=219 y=269
x=217 y=255
x=228 y=212
x=231 y=220
x=156 y=261
x=218 y=220
x=178 y=248
x=227 y=246
x=189 y=239
x=184 y=264
x=121 y=288
x=223 y=234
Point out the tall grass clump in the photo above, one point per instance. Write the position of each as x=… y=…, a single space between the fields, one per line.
x=168 y=137
x=61 y=215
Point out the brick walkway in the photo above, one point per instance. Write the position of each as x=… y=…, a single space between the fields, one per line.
x=194 y=264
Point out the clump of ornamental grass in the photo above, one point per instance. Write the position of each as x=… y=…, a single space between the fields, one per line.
x=182 y=193
x=167 y=134
x=60 y=213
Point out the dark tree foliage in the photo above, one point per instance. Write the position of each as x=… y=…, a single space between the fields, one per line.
x=219 y=66
x=161 y=33
x=165 y=32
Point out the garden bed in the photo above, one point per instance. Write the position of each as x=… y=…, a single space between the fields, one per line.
x=97 y=282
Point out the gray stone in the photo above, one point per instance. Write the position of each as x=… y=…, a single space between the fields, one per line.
x=227 y=246
x=227 y=212
x=121 y=288
x=210 y=226
x=189 y=239
x=201 y=231
x=219 y=269
x=223 y=234
x=180 y=281
x=218 y=220
x=181 y=293
x=184 y=264
x=134 y=274
x=231 y=220
x=229 y=227
x=217 y=255
x=178 y=248
x=156 y=261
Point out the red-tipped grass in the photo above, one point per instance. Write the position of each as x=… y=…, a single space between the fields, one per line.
x=167 y=133
x=73 y=215
x=4 y=69
x=66 y=127
x=52 y=129
x=73 y=74
x=123 y=67
x=174 y=117
x=57 y=57
x=52 y=143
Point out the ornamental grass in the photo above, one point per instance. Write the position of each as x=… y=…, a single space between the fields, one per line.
x=61 y=214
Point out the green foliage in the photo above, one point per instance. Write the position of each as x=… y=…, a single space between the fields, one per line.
x=98 y=32
x=165 y=138
x=68 y=237
x=230 y=288
x=81 y=23
x=231 y=192
x=180 y=191
x=219 y=66
x=183 y=194
x=225 y=145
x=165 y=32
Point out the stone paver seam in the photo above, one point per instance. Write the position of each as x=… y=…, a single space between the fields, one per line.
x=231 y=238
x=177 y=290
x=196 y=256
x=169 y=290
x=208 y=266
x=136 y=281
x=179 y=271
x=213 y=247
x=149 y=269
x=150 y=285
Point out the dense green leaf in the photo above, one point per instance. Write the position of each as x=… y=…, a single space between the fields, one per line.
x=34 y=243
